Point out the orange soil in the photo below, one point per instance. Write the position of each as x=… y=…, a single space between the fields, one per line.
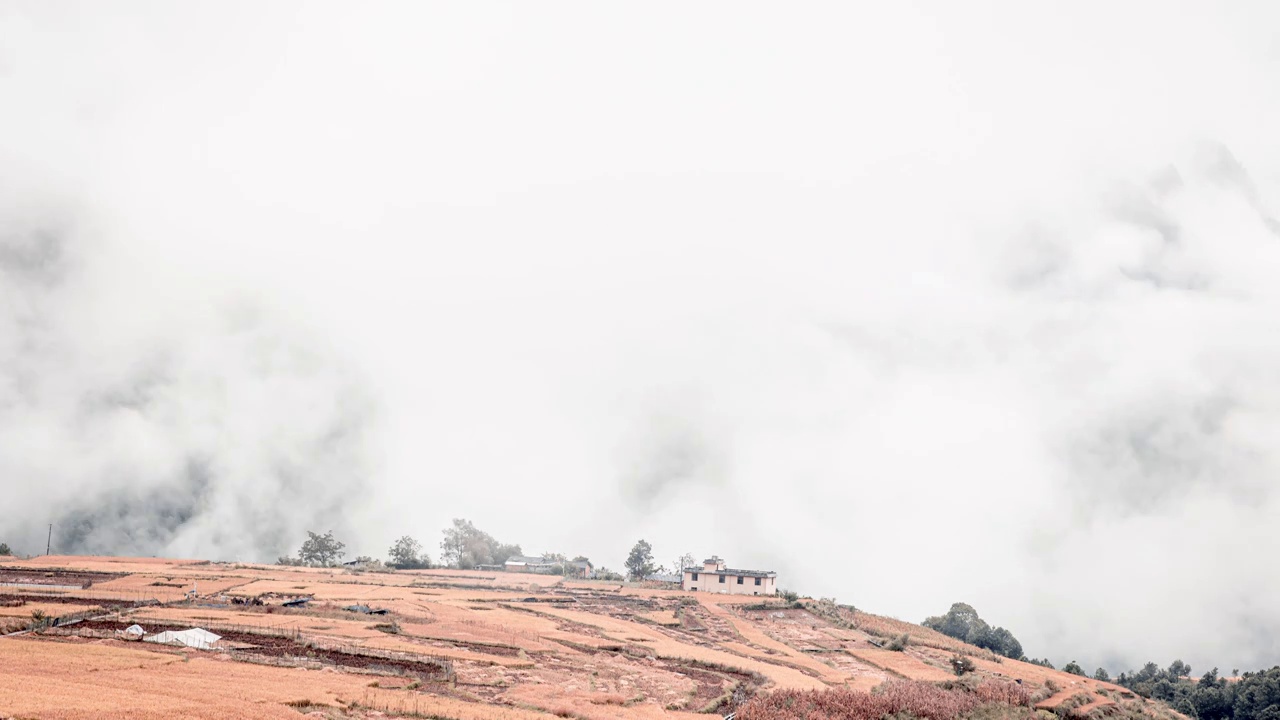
x=404 y=644
x=146 y=585
x=758 y=637
x=902 y=664
x=353 y=633
x=102 y=679
x=200 y=616
x=664 y=646
x=84 y=680
x=661 y=617
x=496 y=626
x=362 y=593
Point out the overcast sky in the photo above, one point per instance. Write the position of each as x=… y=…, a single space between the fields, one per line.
x=913 y=303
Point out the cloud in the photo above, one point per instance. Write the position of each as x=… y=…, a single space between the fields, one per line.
x=967 y=303
x=206 y=432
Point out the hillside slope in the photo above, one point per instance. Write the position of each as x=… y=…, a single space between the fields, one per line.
x=451 y=644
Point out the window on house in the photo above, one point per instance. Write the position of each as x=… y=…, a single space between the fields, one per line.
x=757 y=581
x=739 y=579
x=695 y=587
x=722 y=579
x=695 y=577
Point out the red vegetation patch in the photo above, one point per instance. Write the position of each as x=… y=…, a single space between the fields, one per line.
x=923 y=700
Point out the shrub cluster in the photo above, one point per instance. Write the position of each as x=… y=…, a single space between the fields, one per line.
x=917 y=699
x=899 y=643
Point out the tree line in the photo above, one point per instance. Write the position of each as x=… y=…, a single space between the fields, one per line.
x=464 y=546
x=1251 y=696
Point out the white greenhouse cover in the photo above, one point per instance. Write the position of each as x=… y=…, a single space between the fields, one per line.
x=197 y=638
x=134 y=630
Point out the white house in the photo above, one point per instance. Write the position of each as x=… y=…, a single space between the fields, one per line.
x=714 y=577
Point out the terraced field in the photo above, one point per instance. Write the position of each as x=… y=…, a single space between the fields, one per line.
x=451 y=644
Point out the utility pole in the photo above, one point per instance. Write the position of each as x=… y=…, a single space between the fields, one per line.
x=49 y=543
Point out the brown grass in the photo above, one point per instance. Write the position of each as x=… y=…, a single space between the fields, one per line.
x=100 y=564
x=886 y=627
x=594 y=706
x=49 y=609
x=1038 y=675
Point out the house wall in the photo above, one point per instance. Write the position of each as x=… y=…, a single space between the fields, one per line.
x=730 y=586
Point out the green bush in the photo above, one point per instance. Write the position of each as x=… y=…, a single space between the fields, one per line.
x=962 y=623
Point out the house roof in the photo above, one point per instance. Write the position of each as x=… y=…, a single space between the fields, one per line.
x=731 y=571
x=527 y=560
x=663 y=577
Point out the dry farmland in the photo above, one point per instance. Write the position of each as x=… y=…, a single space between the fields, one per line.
x=439 y=643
